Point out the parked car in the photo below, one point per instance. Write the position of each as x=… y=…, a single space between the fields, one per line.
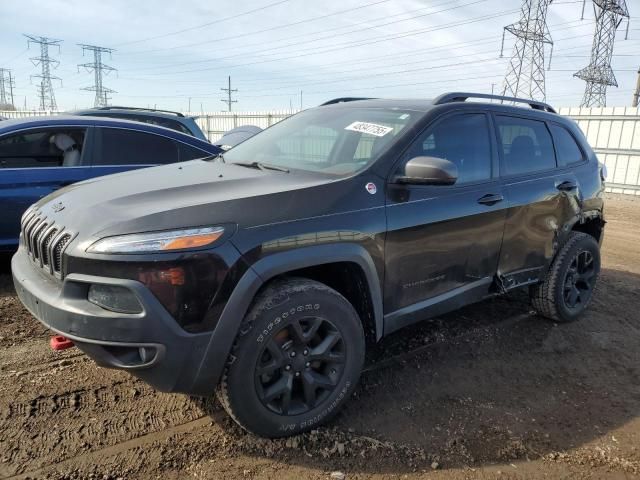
x=237 y=135
x=266 y=276
x=41 y=154
x=163 y=118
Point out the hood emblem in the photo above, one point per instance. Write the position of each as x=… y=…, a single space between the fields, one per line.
x=371 y=188
x=57 y=207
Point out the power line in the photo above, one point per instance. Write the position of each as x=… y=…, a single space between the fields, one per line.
x=270 y=29
x=229 y=91
x=314 y=40
x=45 y=89
x=98 y=68
x=598 y=75
x=203 y=25
x=350 y=44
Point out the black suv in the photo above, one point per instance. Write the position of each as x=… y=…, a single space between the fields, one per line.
x=265 y=274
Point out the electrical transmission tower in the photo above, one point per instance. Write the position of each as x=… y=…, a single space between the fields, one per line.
x=525 y=74
x=599 y=74
x=6 y=87
x=45 y=89
x=98 y=68
x=229 y=91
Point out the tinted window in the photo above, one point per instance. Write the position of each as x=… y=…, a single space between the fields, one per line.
x=526 y=145
x=128 y=147
x=187 y=152
x=566 y=147
x=44 y=148
x=462 y=139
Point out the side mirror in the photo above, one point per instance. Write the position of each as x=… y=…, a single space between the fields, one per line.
x=429 y=171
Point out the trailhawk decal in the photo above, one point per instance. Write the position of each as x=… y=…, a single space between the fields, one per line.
x=370 y=128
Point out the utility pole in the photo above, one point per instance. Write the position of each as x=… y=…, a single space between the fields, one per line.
x=6 y=87
x=598 y=74
x=98 y=68
x=525 y=75
x=45 y=89
x=636 y=94
x=229 y=91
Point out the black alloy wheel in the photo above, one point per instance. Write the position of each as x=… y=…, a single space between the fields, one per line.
x=300 y=366
x=579 y=279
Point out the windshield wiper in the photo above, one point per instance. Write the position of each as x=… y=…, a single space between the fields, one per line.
x=262 y=166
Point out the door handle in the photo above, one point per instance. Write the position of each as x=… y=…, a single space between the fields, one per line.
x=490 y=199
x=567 y=186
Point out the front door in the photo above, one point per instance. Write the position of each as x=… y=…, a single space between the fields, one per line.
x=34 y=163
x=443 y=242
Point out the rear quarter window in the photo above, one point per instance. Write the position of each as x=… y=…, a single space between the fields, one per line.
x=567 y=149
x=526 y=145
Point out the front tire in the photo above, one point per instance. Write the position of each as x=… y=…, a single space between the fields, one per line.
x=566 y=290
x=296 y=360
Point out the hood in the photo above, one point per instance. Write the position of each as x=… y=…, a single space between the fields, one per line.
x=196 y=193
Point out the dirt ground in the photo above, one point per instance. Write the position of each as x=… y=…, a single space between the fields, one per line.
x=487 y=392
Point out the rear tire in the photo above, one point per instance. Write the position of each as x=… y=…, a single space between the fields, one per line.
x=296 y=360
x=567 y=288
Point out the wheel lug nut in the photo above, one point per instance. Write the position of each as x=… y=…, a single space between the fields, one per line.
x=297 y=374
x=308 y=364
x=292 y=354
x=287 y=368
x=306 y=352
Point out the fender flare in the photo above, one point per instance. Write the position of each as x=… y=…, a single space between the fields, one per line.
x=224 y=334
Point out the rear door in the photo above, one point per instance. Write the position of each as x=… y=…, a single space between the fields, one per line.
x=443 y=242
x=538 y=195
x=31 y=167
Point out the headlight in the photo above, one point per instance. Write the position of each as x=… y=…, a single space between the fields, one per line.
x=157 y=241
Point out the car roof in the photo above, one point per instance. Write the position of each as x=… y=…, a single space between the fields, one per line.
x=88 y=121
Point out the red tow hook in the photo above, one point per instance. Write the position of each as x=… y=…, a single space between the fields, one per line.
x=58 y=342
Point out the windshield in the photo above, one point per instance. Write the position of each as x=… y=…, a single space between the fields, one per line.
x=334 y=141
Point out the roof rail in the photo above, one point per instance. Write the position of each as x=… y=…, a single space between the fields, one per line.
x=345 y=99
x=462 y=96
x=116 y=107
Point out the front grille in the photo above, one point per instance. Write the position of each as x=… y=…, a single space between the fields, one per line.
x=45 y=242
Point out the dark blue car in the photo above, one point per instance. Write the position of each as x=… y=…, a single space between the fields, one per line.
x=41 y=154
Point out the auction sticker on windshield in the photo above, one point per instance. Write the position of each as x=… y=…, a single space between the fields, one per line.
x=370 y=128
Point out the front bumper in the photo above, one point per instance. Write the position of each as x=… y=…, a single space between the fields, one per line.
x=150 y=345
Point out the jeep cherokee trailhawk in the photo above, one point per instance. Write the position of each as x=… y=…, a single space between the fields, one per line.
x=262 y=275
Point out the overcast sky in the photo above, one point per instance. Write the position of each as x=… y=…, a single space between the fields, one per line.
x=169 y=51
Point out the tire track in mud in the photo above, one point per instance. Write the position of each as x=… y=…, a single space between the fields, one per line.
x=62 y=425
x=119 y=448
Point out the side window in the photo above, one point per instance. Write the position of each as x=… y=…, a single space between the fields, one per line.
x=566 y=147
x=526 y=145
x=187 y=152
x=462 y=139
x=130 y=147
x=43 y=148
